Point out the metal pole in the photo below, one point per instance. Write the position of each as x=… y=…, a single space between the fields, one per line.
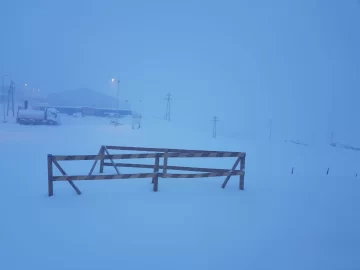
x=215 y=120
x=168 y=107
x=117 y=105
x=3 y=90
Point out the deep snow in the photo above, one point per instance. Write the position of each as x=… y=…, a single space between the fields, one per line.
x=308 y=220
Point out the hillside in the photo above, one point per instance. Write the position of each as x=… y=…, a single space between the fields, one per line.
x=84 y=97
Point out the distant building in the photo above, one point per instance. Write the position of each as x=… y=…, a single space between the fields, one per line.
x=34 y=95
x=86 y=102
x=85 y=98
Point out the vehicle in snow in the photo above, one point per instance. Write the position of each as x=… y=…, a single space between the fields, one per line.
x=48 y=116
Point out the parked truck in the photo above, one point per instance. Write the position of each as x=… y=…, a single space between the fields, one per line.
x=48 y=116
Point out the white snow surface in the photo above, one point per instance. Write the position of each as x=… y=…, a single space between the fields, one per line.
x=305 y=220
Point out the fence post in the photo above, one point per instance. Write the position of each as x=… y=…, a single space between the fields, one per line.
x=156 y=183
x=242 y=177
x=155 y=179
x=166 y=157
x=50 y=175
x=102 y=152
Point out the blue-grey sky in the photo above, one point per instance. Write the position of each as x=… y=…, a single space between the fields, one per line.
x=297 y=62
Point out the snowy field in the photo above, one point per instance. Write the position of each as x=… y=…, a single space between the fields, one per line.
x=305 y=220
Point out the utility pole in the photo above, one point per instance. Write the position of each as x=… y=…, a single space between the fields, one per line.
x=25 y=96
x=168 y=107
x=3 y=94
x=215 y=120
x=11 y=105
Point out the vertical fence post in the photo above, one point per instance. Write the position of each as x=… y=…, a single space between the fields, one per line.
x=156 y=183
x=155 y=179
x=242 y=177
x=166 y=156
x=102 y=152
x=156 y=168
x=50 y=175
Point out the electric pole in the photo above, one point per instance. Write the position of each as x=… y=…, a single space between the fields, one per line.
x=168 y=107
x=11 y=105
x=3 y=96
x=215 y=120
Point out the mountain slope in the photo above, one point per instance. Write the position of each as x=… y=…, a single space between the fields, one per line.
x=84 y=97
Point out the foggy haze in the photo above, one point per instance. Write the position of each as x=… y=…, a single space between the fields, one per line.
x=93 y=178
x=296 y=62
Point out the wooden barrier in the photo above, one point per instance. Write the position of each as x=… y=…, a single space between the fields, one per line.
x=108 y=160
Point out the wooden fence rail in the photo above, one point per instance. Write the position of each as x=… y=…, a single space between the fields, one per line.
x=107 y=160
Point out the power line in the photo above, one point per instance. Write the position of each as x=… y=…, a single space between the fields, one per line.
x=168 y=107
x=215 y=120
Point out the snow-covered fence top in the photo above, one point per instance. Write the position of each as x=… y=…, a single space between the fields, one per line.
x=108 y=160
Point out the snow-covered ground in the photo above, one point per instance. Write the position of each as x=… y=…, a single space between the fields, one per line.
x=305 y=220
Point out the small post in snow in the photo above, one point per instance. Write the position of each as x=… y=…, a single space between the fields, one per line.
x=242 y=177
x=215 y=120
x=50 y=175
x=168 y=107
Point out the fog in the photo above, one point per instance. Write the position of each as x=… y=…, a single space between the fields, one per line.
x=282 y=78
x=295 y=62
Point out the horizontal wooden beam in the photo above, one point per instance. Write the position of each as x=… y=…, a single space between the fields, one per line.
x=202 y=175
x=172 y=150
x=144 y=175
x=144 y=155
x=104 y=177
x=175 y=168
x=100 y=157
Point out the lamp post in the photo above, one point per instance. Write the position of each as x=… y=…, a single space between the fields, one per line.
x=117 y=102
x=25 y=91
x=3 y=90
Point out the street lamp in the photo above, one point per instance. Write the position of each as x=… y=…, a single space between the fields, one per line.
x=25 y=91
x=118 y=90
x=3 y=90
